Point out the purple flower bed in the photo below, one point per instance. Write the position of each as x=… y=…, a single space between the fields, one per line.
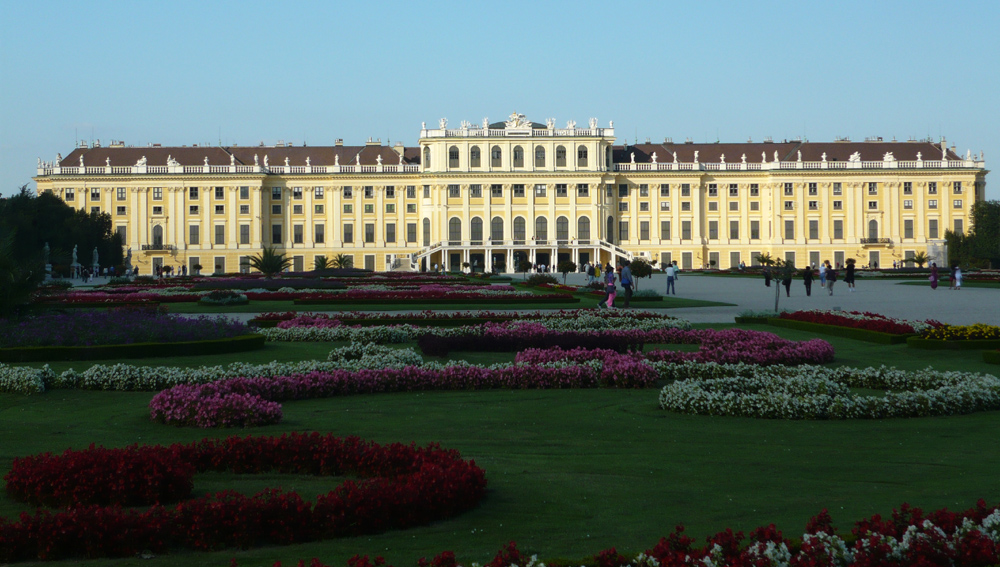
x=218 y=403
x=113 y=327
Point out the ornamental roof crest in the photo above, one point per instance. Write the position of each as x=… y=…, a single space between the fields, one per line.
x=517 y=121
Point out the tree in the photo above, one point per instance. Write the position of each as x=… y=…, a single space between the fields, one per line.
x=565 y=267
x=958 y=247
x=984 y=234
x=322 y=263
x=17 y=279
x=270 y=262
x=641 y=269
x=764 y=259
x=342 y=261
x=524 y=265
x=920 y=258
x=785 y=270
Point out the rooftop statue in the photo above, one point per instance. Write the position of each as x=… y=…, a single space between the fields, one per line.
x=206 y=160
x=696 y=156
x=286 y=161
x=443 y=122
x=763 y=157
x=265 y=160
x=776 y=160
x=654 y=157
x=571 y=125
x=823 y=156
x=920 y=156
x=141 y=162
x=336 y=159
x=722 y=158
x=888 y=157
x=378 y=159
x=486 y=123
x=358 y=158
x=107 y=162
x=855 y=157
x=81 y=161
x=744 y=158
x=232 y=159
x=307 y=162
x=675 y=157
x=255 y=160
x=593 y=123
x=517 y=121
x=799 y=157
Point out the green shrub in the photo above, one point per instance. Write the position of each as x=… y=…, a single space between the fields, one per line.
x=224 y=297
x=539 y=279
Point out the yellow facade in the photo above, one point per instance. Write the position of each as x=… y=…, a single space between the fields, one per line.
x=493 y=195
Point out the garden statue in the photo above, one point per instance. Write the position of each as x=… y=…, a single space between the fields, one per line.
x=128 y=260
x=75 y=262
x=95 y=256
x=45 y=253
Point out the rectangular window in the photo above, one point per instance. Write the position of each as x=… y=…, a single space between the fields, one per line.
x=734 y=190
x=275 y=209
x=813 y=190
x=192 y=193
x=220 y=264
x=754 y=206
x=734 y=205
x=713 y=230
x=644 y=230
x=932 y=203
x=220 y=209
x=70 y=195
x=319 y=233
x=789 y=189
x=813 y=229
x=734 y=230
x=275 y=234
x=348 y=208
x=622 y=231
x=754 y=230
x=561 y=190
x=609 y=190
x=476 y=191
x=789 y=205
x=275 y=193
x=838 y=189
x=220 y=192
x=622 y=190
x=958 y=226
x=685 y=189
x=122 y=232
x=348 y=192
x=411 y=207
x=713 y=190
x=838 y=205
x=390 y=191
x=244 y=234
x=643 y=190
x=157 y=211
x=957 y=203
x=194 y=234
x=411 y=191
x=390 y=232
x=427 y=191
x=369 y=192
x=664 y=205
x=348 y=233
x=957 y=188
x=789 y=230
x=297 y=233
x=369 y=208
x=220 y=234
x=713 y=206
x=318 y=209
x=157 y=193
x=193 y=210
x=907 y=228
x=665 y=230
x=664 y=189
x=390 y=207
x=644 y=206
x=244 y=192
x=369 y=232
x=317 y=192
x=411 y=232
x=454 y=192
x=518 y=190
x=623 y=207
x=754 y=190
x=932 y=188
x=296 y=192
x=872 y=188
x=121 y=193
x=120 y=211
x=907 y=188
x=813 y=205
x=95 y=194
x=496 y=191
x=582 y=190
x=540 y=190
x=908 y=203
x=686 y=230
x=686 y=206
x=838 y=229
x=872 y=205
x=932 y=228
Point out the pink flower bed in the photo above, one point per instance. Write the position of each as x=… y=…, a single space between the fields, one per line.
x=216 y=404
x=316 y=319
x=861 y=320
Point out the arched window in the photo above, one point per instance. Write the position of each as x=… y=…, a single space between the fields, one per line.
x=455 y=229
x=495 y=156
x=427 y=158
x=518 y=156
x=427 y=232
x=157 y=235
x=560 y=156
x=873 y=229
x=610 y=234
x=539 y=156
x=476 y=229
x=541 y=228
x=453 y=156
x=519 y=231
x=475 y=160
x=562 y=228
x=583 y=228
x=581 y=156
x=496 y=229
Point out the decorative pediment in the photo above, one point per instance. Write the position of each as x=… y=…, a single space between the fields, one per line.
x=517 y=122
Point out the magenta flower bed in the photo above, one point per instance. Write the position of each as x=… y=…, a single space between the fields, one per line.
x=212 y=404
x=294 y=319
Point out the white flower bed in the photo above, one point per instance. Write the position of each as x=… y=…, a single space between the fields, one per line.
x=24 y=380
x=815 y=392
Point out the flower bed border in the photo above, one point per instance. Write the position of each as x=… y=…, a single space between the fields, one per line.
x=439 y=301
x=936 y=344
x=751 y=320
x=838 y=331
x=241 y=343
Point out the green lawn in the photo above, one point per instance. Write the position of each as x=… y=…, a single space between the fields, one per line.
x=943 y=283
x=572 y=472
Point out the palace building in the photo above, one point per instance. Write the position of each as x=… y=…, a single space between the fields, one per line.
x=492 y=196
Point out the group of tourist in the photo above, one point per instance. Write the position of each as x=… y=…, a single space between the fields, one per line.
x=610 y=289
x=954 y=278
x=827 y=277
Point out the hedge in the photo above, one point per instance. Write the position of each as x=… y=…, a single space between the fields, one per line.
x=935 y=344
x=752 y=320
x=135 y=350
x=847 y=332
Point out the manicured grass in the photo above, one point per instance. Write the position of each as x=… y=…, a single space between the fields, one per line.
x=943 y=283
x=571 y=472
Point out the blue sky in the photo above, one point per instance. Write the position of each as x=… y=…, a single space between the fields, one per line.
x=182 y=72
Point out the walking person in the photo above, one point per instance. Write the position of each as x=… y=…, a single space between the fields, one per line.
x=807 y=279
x=822 y=273
x=627 y=282
x=786 y=280
x=934 y=276
x=849 y=276
x=831 y=278
x=951 y=277
x=767 y=276
x=671 y=276
x=958 y=278
x=609 y=289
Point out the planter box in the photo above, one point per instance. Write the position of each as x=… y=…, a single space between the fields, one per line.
x=847 y=332
x=134 y=350
x=932 y=344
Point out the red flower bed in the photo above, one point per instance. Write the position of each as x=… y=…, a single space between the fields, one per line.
x=403 y=486
x=857 y=320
